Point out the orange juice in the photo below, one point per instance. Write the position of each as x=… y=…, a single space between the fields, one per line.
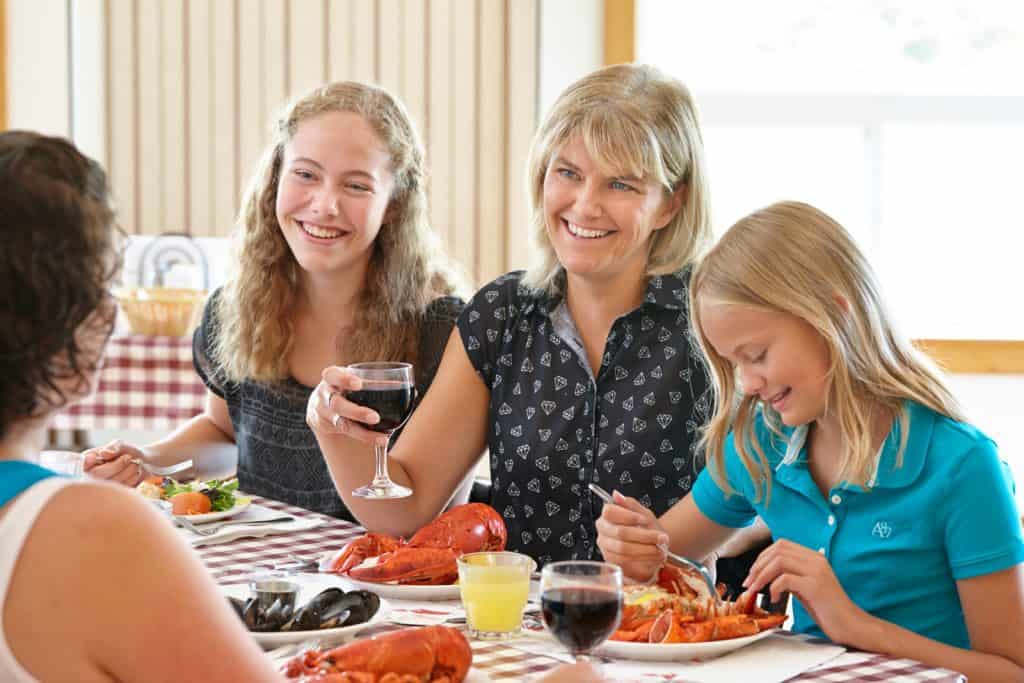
x=494 y=588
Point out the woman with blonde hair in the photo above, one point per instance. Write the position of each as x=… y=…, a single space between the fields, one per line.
x=847 y=442
x=336 y=264
x=582 y=369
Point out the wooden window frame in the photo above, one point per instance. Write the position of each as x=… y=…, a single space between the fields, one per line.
x=960 y=356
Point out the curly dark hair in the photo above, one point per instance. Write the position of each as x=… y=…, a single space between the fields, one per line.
x=61 y=251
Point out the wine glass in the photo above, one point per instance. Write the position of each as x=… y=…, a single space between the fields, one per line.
x=581 y=602
x=389 y=389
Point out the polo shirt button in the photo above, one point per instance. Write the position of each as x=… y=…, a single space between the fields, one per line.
x=836 y=500
x=821 y=550
x=831 y=520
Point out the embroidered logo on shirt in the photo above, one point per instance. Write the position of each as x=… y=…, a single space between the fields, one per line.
x=881 y=530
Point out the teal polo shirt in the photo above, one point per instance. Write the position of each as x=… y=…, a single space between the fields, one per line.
x=899 y=547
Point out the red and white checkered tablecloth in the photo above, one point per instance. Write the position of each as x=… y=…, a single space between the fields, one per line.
x=230 y=562
x=146 y=383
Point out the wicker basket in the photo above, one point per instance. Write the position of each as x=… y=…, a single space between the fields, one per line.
x=161 y=312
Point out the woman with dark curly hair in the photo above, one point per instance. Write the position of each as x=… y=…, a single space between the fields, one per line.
x=336 y=264
x=82 y=563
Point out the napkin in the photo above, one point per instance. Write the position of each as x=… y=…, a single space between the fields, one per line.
x=253 y=513
x=775 y=658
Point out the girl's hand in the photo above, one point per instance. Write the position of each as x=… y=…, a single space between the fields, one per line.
x=114 y=462
x=329 y=412
x=788 y=566
x=630 y=536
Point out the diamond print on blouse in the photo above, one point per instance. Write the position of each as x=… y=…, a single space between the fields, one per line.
x=567 y=426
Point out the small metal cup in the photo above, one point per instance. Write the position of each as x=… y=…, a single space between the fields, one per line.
x=269 y=591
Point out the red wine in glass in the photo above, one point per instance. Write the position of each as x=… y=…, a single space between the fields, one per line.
x=391 y=399
x=581 y=617
x=581 y=602
x=389 y=389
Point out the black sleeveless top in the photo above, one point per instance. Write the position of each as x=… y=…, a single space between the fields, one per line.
x=278 y=456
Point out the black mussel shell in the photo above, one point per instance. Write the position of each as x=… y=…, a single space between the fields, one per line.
x=275 y=616
x=332 y=608
x=368 y=605
x=250 y=614
x=238 y=605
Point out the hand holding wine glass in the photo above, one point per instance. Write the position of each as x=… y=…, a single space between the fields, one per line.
x=581 y=602
x=368 y=402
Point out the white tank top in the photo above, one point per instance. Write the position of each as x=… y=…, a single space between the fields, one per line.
x=14 y=527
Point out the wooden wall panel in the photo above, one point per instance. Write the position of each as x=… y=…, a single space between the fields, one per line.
x=465 y=124
x=364 y=41
x=339 y=27
x=414 y=63
x=306 y=45
x=490 y=224
x=150 y=122
x=193 y=86
x=252 y=113
x=199 y=114
x=121 y=110
x=439 y=114
x=521 y=78
x=389 y=44
x=273 y=62
x=225 y=116
x=172 y=64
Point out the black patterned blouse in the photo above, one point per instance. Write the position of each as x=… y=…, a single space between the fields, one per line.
x=554 y=427
x=278 y=456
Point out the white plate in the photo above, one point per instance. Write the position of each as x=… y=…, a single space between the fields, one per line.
x=677 y=652
x=240 y=506
x=326 y=636
x=408 y=592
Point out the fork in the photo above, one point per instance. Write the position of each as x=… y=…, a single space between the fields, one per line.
x=214 y=528
x=163 y=471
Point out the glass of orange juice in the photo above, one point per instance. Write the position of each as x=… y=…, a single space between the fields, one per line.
x=494 y=587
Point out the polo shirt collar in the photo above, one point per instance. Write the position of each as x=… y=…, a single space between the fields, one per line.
x=886 y=474
x=662 y=291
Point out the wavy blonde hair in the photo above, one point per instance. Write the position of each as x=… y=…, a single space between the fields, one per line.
x=407 y=269
x=792 y=258
x=632 y=119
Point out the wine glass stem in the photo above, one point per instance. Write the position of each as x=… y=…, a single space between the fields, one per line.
x=381 y=477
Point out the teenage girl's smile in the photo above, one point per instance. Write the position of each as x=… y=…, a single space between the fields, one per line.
x=321 y=234
x=778 y=357
x=333 y=193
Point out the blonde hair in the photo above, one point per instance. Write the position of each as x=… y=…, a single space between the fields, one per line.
x=407 y=268
x=632 y=119
x=794 y=259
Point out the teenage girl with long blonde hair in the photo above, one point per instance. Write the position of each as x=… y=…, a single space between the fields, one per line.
x=336 y=264
x=895 y=524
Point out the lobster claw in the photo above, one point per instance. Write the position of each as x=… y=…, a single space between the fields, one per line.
x=357 y=551
x=431 y=653
x=430 y=555
x=471 y=528
x=428 y=566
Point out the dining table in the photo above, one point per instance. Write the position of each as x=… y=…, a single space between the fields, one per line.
x=235 y=561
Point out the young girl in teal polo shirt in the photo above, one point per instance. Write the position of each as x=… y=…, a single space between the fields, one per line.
x=894 y=519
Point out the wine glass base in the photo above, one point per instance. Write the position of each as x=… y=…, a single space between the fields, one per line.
x=382 y=492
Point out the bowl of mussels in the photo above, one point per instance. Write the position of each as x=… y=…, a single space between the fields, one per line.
x=279 y=611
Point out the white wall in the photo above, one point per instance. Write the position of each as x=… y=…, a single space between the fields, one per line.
x=38 y=81
x=995 y=404
x=571 y=44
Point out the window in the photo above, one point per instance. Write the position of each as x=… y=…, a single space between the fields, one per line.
x=904 y=121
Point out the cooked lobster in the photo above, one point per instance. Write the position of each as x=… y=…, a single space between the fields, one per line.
x=673 y=616
x=430 y=653
x=429 y=557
